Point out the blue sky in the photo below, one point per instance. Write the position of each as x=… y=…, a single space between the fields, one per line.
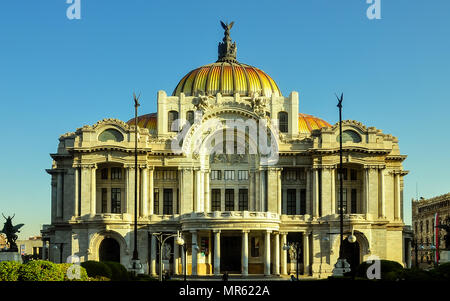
x=58 y=74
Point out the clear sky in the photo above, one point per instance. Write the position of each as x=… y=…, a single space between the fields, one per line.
x=57 y=75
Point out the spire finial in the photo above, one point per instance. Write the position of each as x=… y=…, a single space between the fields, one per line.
x=227 y=49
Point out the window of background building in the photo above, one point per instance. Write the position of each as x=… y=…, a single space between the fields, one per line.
x=115 y=200
x=168 y=201
x=242 y=175
x=229 y=199
x=283 y=122
x=215 y=200
x=216 y=175
x=156 y=201
x=173 y=115
x=291 y=202
x=229 y=175
x=116 y=173
x=243 y=199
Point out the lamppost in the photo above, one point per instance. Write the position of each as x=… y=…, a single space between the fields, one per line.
x=297 y=247
x=162 y=238
x=341 y=265
x=136 y=264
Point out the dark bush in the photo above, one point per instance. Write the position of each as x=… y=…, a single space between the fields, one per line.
x=442 y=271
x=40 y=270
x=142 y=277
x=388 y=269
x=65 y=267
x=118 y=271
x=9 y=270
x=95 y=268
x=414 y=274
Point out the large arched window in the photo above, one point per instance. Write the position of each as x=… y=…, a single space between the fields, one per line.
x=349 y=136
x=110 y=134
x=283 y=122
x=173 y=115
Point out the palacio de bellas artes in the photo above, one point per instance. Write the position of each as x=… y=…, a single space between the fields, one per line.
x=229 y=167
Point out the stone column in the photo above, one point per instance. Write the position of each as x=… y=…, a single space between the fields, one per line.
x=283 y=253
x=315 y=198
x=366 y=191
x=306 y=262
x=263 y=182
x=251 y=190
x=277 y=254
x=397 y=213
x=382 y=210
x=197 y=207
x=144 y=192
x=153 y=256
x=76 y=191
x=176 y=258
x=309 y=200
x=258 y=191
x=245 y=252
x=333 y=191
x=207 y=193
x=217 y=252
x=267 y=253
x=151 y=191
x=85 y=190
x=187 y=196
x=59 y=195
x=93 y=190
x=279 y=196
x=194 y=253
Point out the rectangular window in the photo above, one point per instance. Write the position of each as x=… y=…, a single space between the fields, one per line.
x=290 y=175
x=353 y=174
x=354 y=201
x=229 y=199
x=290 y=202
x=115 y=200
x=215 y=200
x=229 y=175
x=104 y=200
x=116 y=173
x=344 y=200
x=302 y=201
x=255 y=247
x=216 y=175
x=344 y=172
x=104 y=174
x=243 y=175
x=156 y=201
x=168 y=201
x=243 y=199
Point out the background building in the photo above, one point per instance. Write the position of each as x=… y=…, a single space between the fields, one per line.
x=423 y=215
x=236 y=210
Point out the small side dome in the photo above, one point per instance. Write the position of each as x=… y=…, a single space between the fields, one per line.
x=148 y=121
x=110 y=135
x=307 y=123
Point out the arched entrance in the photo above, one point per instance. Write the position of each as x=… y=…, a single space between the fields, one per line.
x=351 y=252
x=109 y=250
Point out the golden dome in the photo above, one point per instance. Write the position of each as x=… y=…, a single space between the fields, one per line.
x=227 y=78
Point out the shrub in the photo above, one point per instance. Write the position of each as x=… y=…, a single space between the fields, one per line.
x=99 y=278
x=40 y=270
x=388 y=269
x=65 y=267
x=95 y=268
x=118 y=271
x=414 y=274
x=9 y=270
x=442 y=271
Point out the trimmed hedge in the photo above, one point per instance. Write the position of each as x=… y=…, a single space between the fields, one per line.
x=118 y=271
x=40 y=270
x=96 y=269
x=9 y=270
x=388 y=269
x=65 y=268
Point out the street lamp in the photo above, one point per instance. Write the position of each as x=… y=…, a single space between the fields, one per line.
x=295 y=246
x=162 y=237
